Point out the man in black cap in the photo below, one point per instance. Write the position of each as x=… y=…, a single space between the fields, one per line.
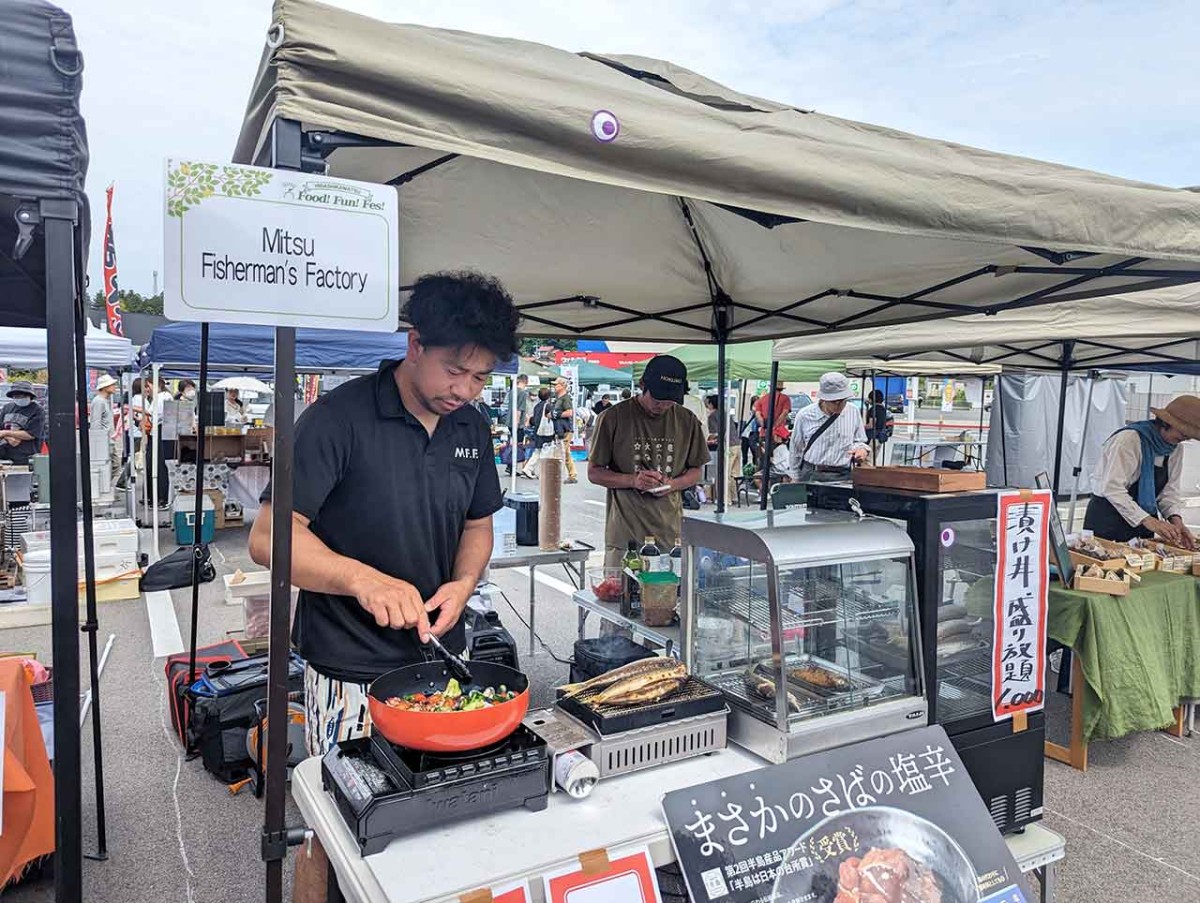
x=645 y=452
x=22 y=424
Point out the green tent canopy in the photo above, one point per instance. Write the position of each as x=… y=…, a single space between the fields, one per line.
x=533 y=368
x=746 y=360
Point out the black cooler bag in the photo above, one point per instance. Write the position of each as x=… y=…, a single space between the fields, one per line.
x=222 y=705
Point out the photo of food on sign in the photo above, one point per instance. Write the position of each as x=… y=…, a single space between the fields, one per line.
x=893 y=820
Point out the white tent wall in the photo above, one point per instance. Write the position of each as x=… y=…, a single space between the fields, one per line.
x=1028 y=409
x=26 y=348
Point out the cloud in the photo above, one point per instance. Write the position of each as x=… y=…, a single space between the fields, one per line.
x=1104 y=86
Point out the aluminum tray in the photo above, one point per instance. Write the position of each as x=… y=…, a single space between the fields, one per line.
x=859 y=685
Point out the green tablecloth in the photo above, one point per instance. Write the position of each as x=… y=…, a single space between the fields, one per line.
x=1140 y=653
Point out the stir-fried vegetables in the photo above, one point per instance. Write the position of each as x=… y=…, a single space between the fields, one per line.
x=452 y=699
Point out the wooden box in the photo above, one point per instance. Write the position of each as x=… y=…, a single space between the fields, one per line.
x=920 y=479
x=1101 y=585
x=1136 y=560
x=1078 y=558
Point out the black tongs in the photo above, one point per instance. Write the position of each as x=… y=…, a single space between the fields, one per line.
x=457 y=666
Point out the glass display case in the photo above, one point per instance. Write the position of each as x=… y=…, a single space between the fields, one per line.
x=807 y=622
x=954 y=535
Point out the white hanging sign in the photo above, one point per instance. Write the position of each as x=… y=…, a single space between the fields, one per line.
x=244 y=244
x=1022 y=578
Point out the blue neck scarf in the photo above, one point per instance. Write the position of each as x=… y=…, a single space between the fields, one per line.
x=1153 y=446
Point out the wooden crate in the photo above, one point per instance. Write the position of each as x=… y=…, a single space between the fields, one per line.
x=1136 y=560
x=1101 y=585
x=1078 y=558
x=920 y=479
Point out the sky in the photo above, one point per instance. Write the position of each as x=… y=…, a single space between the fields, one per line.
x=1109 y=86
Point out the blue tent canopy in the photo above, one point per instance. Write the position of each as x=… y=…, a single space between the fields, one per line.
x=237 y=348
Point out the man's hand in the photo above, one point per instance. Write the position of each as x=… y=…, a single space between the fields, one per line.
x=449 y=602
x=645 y=480
x=393 y=603
x=1168 y=531
x=1186 y=539
x=859 y=454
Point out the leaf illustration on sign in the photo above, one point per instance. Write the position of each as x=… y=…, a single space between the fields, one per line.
x=189 y=183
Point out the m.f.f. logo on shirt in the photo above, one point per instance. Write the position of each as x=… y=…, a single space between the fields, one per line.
x=467 y=454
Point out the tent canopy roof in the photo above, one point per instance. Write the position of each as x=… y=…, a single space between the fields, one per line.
x=593 y=374
x=26 y=348
x=237 y=348
x=699 y=203
x=43 y=144
x=1151 y=330
x=747 y=360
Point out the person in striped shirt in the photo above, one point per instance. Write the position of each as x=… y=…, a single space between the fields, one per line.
x=829 y=435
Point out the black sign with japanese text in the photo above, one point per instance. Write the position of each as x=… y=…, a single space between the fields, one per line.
x=894 y=820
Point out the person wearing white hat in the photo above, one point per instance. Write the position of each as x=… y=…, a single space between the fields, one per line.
x=828 y=436
x=100 y=417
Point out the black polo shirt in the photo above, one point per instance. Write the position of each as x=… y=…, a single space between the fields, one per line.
x=379 y=489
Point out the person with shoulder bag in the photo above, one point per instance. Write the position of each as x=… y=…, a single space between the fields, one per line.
x=543 y=433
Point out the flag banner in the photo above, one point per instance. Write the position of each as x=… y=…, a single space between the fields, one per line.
x=111 y=307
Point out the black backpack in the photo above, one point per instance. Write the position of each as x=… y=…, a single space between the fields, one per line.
x=175 y=570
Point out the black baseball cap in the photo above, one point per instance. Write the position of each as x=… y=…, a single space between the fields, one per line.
x=665 y=378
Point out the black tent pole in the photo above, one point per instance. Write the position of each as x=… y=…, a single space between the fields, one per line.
x=723 y=428
x=198 y=545
x=90 y=624
x=1068 y=349
x=770 y=449
x=998 y=396
x=982 y=387
x=276 y=837
x=59 y=220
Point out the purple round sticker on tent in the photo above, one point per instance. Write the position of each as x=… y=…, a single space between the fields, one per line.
x=605 y=126
x=947 y=537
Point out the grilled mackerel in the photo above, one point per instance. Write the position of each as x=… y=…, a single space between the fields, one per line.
x=641 y=688
x=639 y=668
x=764 y=688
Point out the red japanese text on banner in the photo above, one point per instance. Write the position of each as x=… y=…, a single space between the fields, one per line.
x=1022 y=574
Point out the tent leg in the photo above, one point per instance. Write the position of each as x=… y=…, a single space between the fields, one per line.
x=770 y=450
x=198 y=544
x=721 y=487
x=1078 y=469
x=1067 y=349
x=274 y=831
x=152 y=458
x=998 y=392
x=514 y=447
x=90 y=624
x=982 y=386
x=59 y=218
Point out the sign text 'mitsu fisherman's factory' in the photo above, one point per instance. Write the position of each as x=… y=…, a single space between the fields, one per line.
x=251 y=245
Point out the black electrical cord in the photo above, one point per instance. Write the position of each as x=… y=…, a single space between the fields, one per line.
x=540 y=641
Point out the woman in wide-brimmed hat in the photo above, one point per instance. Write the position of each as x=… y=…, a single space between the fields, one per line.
x=1137 y=482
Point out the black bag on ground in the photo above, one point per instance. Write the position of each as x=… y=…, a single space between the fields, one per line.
x=596 y=656
x=177 y=679
x=175 y=570
x=222 y=704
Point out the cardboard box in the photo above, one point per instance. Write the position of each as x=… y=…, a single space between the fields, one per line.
x=218 y=500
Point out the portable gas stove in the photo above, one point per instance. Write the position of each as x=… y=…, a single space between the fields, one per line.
x=384 y=791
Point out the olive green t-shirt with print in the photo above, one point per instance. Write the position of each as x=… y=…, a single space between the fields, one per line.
x=626 y=440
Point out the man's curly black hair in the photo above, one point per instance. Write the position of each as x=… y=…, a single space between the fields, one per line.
x=450 y=310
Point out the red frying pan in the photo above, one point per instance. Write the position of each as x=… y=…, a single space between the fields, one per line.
x=447 y=731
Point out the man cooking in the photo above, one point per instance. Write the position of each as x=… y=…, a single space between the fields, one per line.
x=645 y=452
x=394 y=491
x=22 y=424
x=829 y=435
x=1137 y=484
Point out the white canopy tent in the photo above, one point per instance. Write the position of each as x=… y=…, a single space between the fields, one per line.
x=1151 y=330
x=26 y=348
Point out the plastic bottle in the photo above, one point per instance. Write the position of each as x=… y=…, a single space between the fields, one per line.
x=650 y=556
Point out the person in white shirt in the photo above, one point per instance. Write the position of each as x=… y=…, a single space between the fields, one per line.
x=100 y=417
x=829 y=435
x=1137 y=480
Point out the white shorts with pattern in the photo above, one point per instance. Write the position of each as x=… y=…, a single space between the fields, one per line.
x=335 y=710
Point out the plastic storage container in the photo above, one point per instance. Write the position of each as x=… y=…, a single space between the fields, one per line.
x=36 y=573
x=660 y=595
